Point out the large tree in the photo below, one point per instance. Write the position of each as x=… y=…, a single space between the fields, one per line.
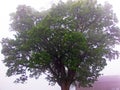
x=71 y=42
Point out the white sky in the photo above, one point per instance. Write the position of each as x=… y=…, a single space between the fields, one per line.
x=9 y=6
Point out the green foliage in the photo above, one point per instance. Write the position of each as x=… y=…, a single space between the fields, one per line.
x=69 y=42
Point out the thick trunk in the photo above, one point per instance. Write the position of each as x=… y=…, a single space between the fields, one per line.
x=65 y=86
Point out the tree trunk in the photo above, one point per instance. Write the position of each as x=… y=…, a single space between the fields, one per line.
x=65 y=86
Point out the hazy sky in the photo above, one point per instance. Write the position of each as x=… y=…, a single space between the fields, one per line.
x=9 y=6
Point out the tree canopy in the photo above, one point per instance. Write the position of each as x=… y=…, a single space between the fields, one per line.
x=70 y=42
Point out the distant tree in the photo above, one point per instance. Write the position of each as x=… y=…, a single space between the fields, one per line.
x=71 y=42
